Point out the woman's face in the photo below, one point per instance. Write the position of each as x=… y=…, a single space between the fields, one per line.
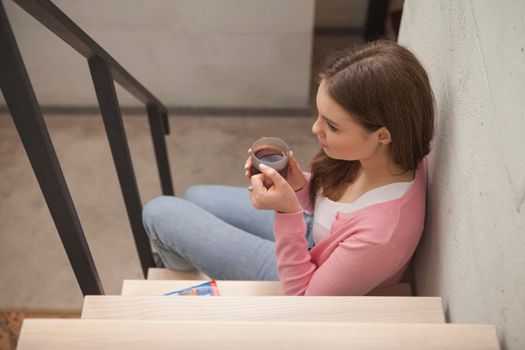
x=340 y=135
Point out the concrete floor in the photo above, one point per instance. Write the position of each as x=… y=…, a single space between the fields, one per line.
x=35 y=272
x=34 y=269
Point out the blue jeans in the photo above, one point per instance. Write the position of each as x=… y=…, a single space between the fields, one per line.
x=216 y=230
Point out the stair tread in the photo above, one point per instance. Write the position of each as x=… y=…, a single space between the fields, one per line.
x=110 y=334
x=157 y=273
x=236 y=288
x=265 y=308
x=226 y=288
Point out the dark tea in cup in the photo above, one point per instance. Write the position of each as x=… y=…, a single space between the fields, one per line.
x=272 y=152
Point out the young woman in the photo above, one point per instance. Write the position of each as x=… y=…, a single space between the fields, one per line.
x=348 y=226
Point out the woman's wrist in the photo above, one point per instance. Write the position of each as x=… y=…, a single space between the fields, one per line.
x=290 y=212
x=293 y=206
x=301 y=187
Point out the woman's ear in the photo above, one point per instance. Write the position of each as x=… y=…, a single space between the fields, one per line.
x=383 y=136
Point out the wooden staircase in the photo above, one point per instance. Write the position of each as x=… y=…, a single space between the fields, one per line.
x=253 y=314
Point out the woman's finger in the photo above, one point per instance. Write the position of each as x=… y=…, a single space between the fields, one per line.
x=272 y=174
x=292 y=162
x=258 y=183
x=248 y=164
x=247 y=168
x=292 y=167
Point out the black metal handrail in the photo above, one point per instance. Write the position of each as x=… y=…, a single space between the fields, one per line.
x=27 y=116
x=62 y=26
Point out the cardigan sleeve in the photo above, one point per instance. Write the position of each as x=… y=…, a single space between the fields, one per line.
x=294 y=264
x=355 y=267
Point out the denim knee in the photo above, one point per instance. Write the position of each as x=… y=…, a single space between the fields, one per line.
x=154 y=211
x=197 y=194
x=155 y=208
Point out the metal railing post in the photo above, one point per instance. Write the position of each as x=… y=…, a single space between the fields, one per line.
x=156 y=124
x=110 y=109
x=27 y=116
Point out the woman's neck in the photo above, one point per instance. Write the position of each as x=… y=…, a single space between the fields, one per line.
x=382 y=170
x=374 y=173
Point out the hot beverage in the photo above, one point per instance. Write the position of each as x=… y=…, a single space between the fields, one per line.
x=272 y=152
x=271 y=157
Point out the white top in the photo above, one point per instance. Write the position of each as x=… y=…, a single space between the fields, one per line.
x=326 y=209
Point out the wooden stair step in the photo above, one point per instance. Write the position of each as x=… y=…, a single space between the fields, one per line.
x=157 y=273
x=236 y=288
x=226 y=288
x=152 y=335
x=265 y=308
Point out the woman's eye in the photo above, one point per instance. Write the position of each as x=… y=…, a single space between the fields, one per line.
x=331 y=127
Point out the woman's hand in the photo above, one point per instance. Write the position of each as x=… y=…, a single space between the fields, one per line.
x=295 y=177
x=279 y=197
x=248 y=166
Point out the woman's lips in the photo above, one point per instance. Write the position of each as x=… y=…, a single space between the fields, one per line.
x=323 y=145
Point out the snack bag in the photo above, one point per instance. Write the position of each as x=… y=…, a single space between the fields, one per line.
x=204 y=289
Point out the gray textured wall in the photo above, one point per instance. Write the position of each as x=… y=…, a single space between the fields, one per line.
x=340 y=13
x=206 y=53
x=473 y=248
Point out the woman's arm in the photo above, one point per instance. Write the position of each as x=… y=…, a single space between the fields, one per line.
x=354 y=267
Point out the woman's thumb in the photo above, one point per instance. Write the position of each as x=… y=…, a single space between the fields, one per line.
x=292 y=162
x=271 y=173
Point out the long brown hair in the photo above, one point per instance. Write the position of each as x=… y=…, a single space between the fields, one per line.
x=381 y=84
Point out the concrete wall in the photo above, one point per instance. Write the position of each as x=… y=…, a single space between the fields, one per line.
x=340 y=13
x=473 y=249
x=206 y=53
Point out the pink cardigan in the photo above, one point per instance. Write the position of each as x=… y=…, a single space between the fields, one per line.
x=367 y=248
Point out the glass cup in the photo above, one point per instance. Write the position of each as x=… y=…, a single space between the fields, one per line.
x=270 y=151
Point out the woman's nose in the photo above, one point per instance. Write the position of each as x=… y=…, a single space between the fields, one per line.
x=316 y=129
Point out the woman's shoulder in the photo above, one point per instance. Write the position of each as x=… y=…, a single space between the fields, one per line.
x=389 y=222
